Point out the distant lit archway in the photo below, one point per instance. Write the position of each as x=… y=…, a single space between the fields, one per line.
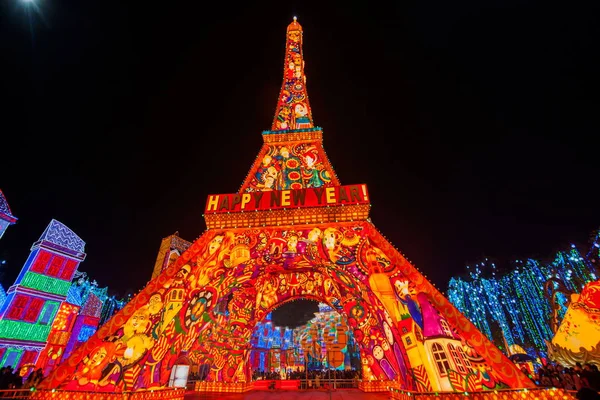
x=290 y=341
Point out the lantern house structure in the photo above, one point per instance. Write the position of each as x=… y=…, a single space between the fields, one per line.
x=6 y=217
x=92 y=301
x=77 y=319
x=291 y=231
x=33 y=301
x=170 y=249
x=59 y=336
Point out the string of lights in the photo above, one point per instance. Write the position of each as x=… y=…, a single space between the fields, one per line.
x=515 y=308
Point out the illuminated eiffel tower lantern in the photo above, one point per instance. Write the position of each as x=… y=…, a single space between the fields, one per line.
x=292 y=231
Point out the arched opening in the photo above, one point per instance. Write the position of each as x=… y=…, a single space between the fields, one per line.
x=306 y=341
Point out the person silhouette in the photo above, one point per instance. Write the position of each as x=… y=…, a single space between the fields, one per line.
x=586 y=393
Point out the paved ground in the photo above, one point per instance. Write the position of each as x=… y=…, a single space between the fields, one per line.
x=340 y=394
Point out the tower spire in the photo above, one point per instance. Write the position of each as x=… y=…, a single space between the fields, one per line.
x=293 y=110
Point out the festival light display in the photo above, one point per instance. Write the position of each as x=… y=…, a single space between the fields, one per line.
x=326 y=341
x=273 y=347
x=313 y=346
x=593 y=254
x=522 y=307
x=28 y=314
x=292 y=231
x=58 y=337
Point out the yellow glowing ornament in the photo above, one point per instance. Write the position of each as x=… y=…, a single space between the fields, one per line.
x=577 y=339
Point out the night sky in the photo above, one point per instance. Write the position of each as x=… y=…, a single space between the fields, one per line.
x=472 y=124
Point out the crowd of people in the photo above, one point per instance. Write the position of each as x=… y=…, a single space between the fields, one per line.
x=314 y=375
x=11 y=379
x=580 y=377
x=572 y=379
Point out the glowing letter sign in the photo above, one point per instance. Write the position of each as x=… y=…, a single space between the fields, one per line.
x=277 y=199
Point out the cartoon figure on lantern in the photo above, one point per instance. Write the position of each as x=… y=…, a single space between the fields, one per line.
x=267 y=174
x=294 y=37
x=122 y=371
x=339 y=245
x=283 y=118
x=268 y=295
x=330 y=289
x=297 y=58
x=135 y=339
x=310 y=173
x=213 y=261
x=290 y=177
x=292 y=242
x=286 y=96
x=311 y=246
x=89 y=371
x=262 y=169
x=155 y=304
x=301 y=116
x=291 y=253
x=174 y=297
x=289 y=75
x=331 y=241
x=270 y=179
x=403 y=291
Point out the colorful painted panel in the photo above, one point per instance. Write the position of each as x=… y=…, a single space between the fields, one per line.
x=390 y=309
x=293 y=110
x=290 y=166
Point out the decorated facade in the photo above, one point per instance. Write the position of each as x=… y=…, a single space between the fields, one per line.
x=38 y=294
x=291 y=231
x=6 y=217
x=171 y=247
x=51 y=308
